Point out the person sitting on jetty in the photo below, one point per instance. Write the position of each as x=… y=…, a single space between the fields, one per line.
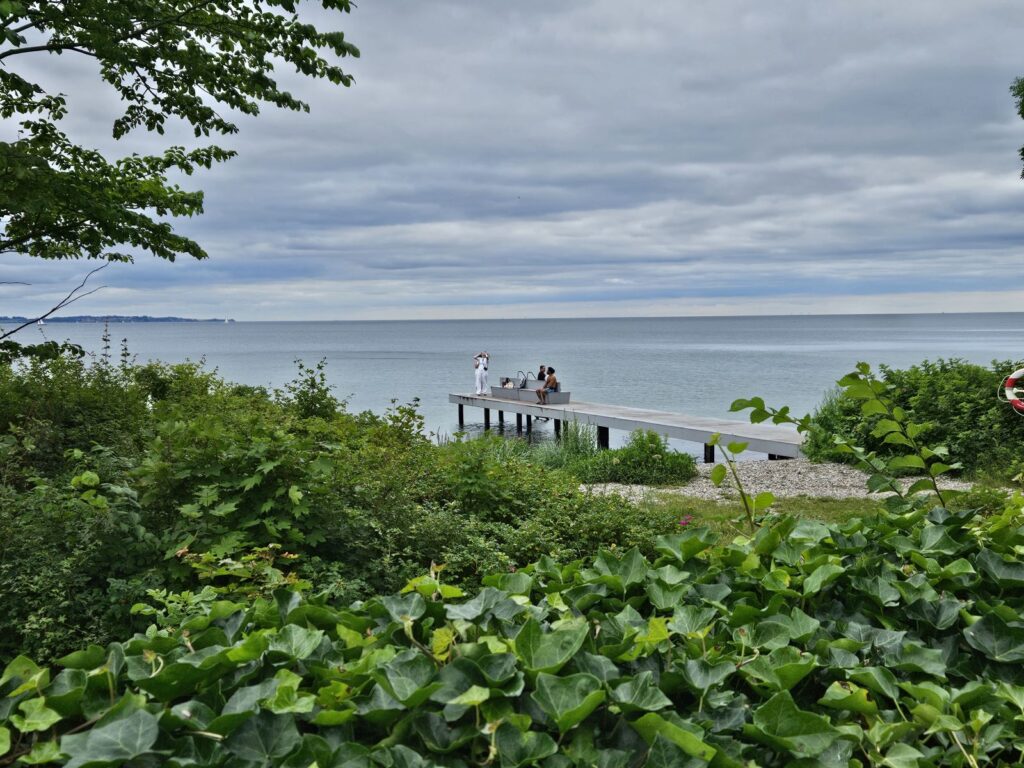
x=550 y=385
x=542 y=372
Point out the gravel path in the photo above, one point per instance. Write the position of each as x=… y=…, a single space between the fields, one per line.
x=794 y=477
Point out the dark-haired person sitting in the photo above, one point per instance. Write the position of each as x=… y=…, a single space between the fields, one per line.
x=550 y=385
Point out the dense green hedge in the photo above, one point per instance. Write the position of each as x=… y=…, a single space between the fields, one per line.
x=645 y=460
x=115 y=479
x=955 y=398
x=894 y=641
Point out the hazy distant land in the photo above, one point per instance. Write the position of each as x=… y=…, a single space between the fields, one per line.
x=115 y=319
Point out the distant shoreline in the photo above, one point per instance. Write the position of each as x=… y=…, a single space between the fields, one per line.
x=115 y=319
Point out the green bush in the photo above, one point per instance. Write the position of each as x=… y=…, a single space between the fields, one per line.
x=956 y=399
x=645 y=460
x=888 y=641
x=198 y=471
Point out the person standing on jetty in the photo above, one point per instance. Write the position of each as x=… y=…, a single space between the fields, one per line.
x=481 y=363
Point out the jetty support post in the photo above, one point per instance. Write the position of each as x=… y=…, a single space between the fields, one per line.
x=709 y=453
x=519 y=422
x=529 y=423
x=462 y=416
x=558 y=429
x=487 y=418
x=501 y=418
x=602 y=438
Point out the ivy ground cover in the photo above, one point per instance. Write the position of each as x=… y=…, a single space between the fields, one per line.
x=892 y=641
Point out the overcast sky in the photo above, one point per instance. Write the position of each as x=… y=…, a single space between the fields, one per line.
x=546 y=159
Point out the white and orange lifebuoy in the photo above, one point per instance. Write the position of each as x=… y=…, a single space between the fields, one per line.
x=1014 y=393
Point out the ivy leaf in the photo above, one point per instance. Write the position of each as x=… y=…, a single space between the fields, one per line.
x=117 y=742
x=703 y=675
x=36 y=716
x=788 y=727
x=782 y=668
x=640 y=693
x=410 y=677
x=821 y=577
x=405 y=608
x=295 y=642
x=996 y=639
x=691 y=619
x=517 y=748
x=687 y=737
x=548 y=651
x=846 y=696
x=264 y=739
x=568 y=700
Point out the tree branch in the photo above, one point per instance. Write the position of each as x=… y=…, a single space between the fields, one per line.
x=50 y=48
x=71 y=298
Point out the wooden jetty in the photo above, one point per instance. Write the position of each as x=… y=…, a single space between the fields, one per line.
x=778 y=442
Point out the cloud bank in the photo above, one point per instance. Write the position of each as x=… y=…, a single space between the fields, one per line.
x=595 y=159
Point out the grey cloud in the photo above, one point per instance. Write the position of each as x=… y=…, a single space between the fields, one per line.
x=584 y=154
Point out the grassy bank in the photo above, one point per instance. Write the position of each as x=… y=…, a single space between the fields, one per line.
x=723 y=516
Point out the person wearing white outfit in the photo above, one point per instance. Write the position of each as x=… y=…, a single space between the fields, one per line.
x=481 y=362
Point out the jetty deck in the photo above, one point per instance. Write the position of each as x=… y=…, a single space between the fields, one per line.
x=776 y=441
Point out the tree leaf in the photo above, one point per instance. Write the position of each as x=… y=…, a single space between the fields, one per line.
x=718 y=474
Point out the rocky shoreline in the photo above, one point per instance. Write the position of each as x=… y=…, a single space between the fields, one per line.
x=794 y=477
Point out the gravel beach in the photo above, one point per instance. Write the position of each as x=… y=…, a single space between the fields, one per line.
x=794 y=477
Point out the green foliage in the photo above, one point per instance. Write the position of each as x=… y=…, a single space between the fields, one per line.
x=954 y=401
x=645 y=460
x=884 y=641
x=310 y=394
x=118 y=481
x=165 y=60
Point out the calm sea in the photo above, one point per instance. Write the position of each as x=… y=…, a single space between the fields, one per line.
x=690 y=365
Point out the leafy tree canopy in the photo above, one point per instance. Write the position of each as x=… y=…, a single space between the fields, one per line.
x=181 y=59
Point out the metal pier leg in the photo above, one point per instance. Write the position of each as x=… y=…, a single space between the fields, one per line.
x=558 y=429
x=501 y=418
x=529 y=423
x=487 y=418
x=462 y=416
x=602 y=438
x=709 y=454
x=519 y=422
